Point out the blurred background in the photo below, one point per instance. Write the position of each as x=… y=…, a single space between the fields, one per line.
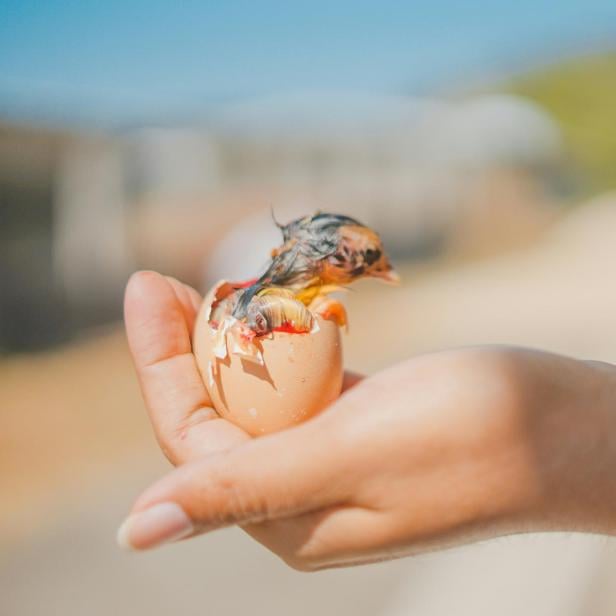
x=479 y=140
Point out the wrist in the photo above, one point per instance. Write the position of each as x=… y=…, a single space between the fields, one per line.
x=576 y=438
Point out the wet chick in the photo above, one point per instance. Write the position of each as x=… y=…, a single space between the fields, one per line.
x=320 y=253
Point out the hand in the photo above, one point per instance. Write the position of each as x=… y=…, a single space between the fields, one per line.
x=160 y=313
x=438 y=450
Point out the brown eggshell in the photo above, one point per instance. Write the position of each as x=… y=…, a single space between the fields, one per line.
x=301 y=375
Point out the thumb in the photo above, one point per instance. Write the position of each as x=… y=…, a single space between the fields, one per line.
x=272 y=477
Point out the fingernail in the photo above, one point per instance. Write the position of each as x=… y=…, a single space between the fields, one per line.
x=162 y=523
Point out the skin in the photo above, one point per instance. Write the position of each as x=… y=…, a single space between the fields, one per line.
x=436 y=451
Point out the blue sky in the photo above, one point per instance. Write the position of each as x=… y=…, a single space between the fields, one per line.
x=116 y=61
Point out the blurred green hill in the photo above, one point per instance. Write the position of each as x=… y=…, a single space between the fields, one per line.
x=581 y=95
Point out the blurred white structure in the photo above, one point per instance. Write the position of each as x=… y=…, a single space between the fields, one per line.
x=388 y=131
x=496 y=130
x=174 y=164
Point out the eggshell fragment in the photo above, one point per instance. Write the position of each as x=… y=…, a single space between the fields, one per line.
x=299 y=376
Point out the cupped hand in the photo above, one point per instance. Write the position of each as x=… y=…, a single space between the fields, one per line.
x=160 y=314
x=441 y=449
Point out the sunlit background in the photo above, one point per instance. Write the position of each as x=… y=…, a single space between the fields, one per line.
x=478 y=139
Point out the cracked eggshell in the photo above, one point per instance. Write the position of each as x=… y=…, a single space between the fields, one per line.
x=301 y=374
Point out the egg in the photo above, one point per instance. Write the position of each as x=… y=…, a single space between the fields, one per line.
x=296 y=376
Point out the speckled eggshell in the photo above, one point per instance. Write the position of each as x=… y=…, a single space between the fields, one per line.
x=301 y=375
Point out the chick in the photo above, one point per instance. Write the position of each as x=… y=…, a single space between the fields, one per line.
x=320 y=253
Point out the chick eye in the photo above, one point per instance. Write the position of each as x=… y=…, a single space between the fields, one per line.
x=372 y=255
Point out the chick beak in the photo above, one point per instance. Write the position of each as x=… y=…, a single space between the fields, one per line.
x=390 y=276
